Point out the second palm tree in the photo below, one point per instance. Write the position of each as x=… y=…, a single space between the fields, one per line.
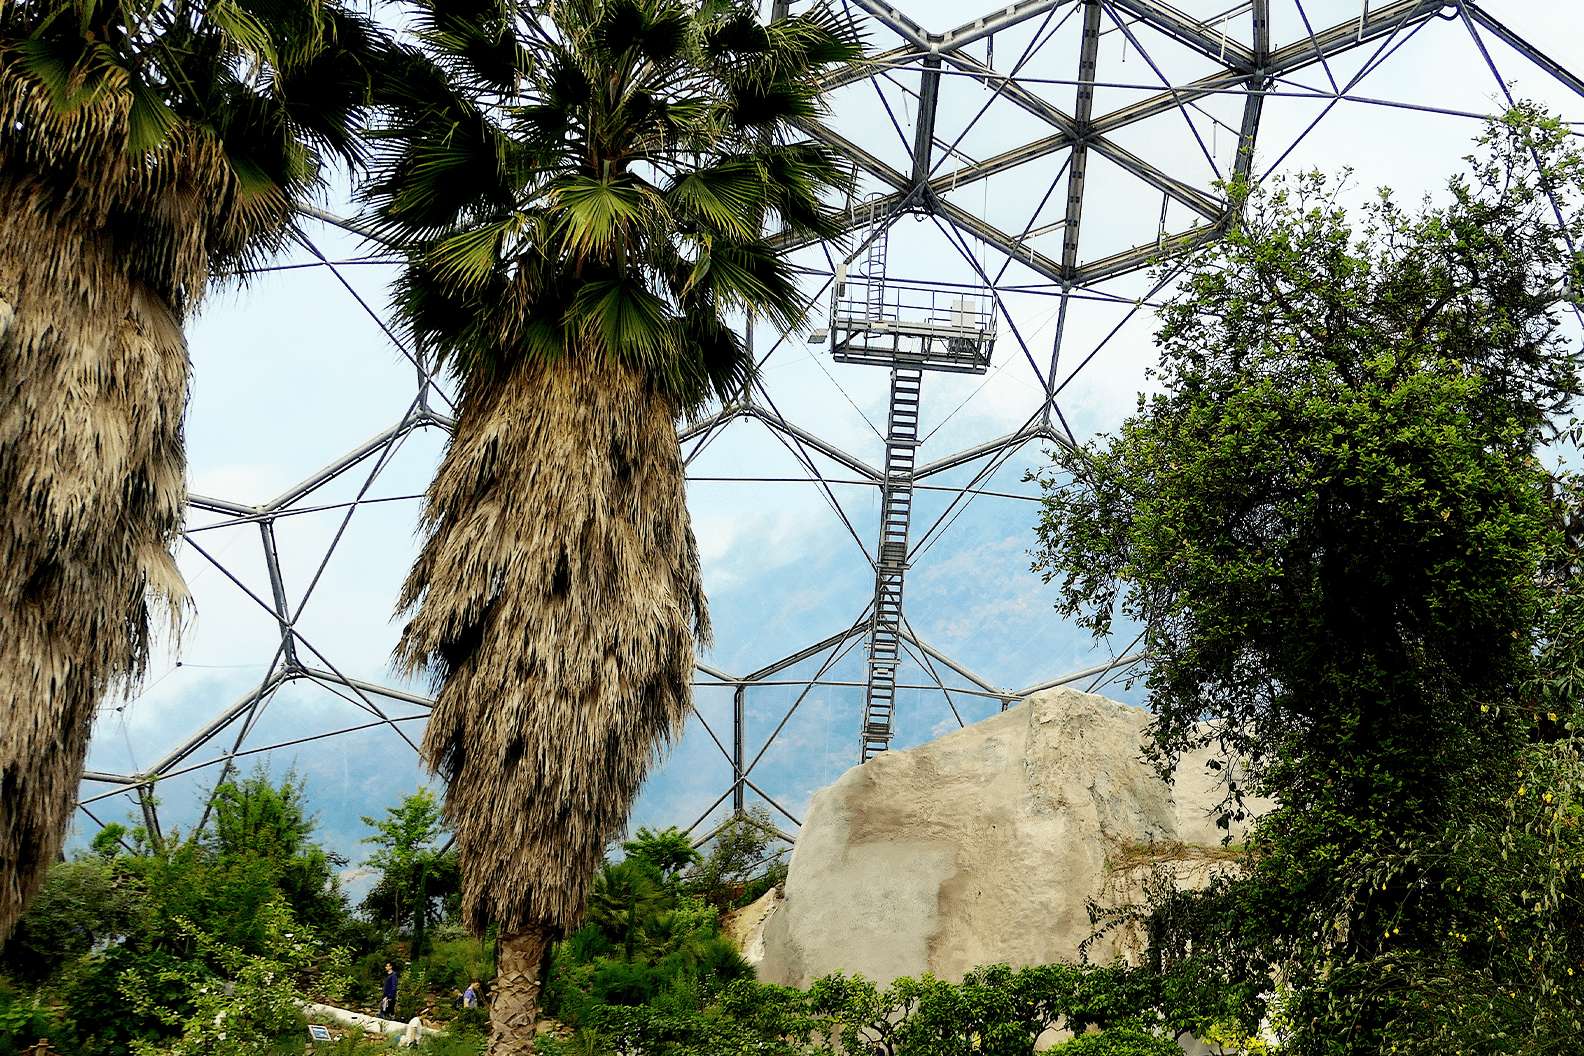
x=581 y=199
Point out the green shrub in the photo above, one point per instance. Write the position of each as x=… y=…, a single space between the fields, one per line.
x=473 y=1022
x=24 y=1022
x=454 y=962
x=104 y=1023
x=1124 y=1040
x=451 y=1044
x=412 y=992
x=624 y=983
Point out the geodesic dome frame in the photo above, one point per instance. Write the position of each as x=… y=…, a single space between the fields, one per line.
x=1130 y=110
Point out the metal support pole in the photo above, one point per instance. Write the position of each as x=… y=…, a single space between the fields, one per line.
x=924 y=130
x=278 y=592
x=737 y=751
x=145 y=795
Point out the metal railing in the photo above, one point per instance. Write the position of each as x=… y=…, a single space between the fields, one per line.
x=941 y=328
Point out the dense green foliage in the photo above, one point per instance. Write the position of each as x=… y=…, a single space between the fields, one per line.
x=162 y=948
x=1357 y=575
x=416 y=875
x=995 y=1011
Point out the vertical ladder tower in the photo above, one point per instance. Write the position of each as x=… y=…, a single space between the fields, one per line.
x=910 y=327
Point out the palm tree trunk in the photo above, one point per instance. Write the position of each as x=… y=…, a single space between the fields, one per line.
x=515 y=1005
x=558 y=600
x=93 y=386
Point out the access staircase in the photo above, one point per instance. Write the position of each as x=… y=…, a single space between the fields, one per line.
x=909 y=327
x=896 y=512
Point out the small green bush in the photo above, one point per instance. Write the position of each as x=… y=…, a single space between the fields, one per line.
x=24 y=1022
x=454 y=962
x=1122 y=1040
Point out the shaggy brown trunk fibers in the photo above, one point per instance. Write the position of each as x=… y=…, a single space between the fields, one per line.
x=93 y=384
x=556 y=600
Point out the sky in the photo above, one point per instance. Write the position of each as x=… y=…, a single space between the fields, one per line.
x=294 y=369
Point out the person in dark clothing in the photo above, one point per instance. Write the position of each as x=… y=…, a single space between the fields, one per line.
x=388 y=998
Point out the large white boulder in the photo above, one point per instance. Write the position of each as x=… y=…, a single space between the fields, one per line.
x=985 y=845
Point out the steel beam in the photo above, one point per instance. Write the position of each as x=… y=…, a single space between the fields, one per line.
x=1183 y=28
x=1079 y=676
x=1161 y=102
x=995 y=22
x=991 y=235
x=720 y=676
x=808 y=439
x=1556 y=70
x=898 y=22
x=1007 y=159
x=1344 y=36
x=738 y=777
x=109 y=779
x=220 y=722
x=1254 y=105
x=1290 y=59
x=721 y=417
x=1130 y=260
x=786 y=242
x=865 y=68
x=213 y=505
x=356 y=227
x=278 y=592
x=1084 y=110
x=935 y=654
x=1186 y=193
x=1077 y=129
x=808 y=651
x=924 y=124
x=1035 y=430
x=324 y=476
x=406 y=697
x=151 y=824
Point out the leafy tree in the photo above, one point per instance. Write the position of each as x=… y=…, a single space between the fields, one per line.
x=146 y=148
x=258 y=820
x=1334 y=529
x=25 y=1022
x=738 y=853
x=244 y=1010
x=669 y=851
x=83 y=905
x=583 y=202
x=415 y=876
x=1118 y=1041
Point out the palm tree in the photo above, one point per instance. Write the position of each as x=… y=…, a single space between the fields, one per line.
x=581 y=197
x=145 y=147
x=624 y=900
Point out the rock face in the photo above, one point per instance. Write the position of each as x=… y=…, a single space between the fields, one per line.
x=983 y=846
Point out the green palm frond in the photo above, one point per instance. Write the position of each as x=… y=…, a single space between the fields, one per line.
x=200 y=125
x=728 y=197
x=470 y=256
x=598 y=214
x=657 y=140
x=249 y=37
x=627 y=321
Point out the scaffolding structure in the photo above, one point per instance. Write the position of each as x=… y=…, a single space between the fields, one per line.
x=910 y=327
x=878 y=317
